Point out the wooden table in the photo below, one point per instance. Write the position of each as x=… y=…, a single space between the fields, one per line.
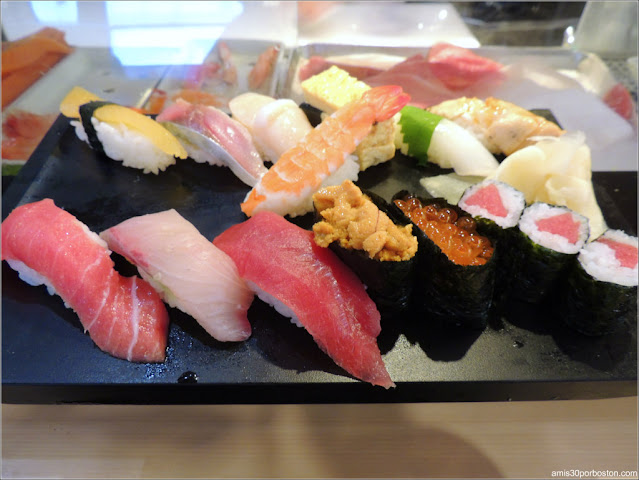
x=463 y=440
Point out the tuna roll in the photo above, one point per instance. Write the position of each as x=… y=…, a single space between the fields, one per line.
x=497 y=207
x=456 y=262
x=600 y=290
x=381 y=253
x=549 y=237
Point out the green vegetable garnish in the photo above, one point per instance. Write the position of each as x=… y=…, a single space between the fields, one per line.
x=417 y=127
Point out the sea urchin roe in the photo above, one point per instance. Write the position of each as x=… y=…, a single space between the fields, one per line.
x=352 y=219
x=455 y=236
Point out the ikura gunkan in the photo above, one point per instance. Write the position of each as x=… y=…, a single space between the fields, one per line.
x=455 y=235
x=456 y=261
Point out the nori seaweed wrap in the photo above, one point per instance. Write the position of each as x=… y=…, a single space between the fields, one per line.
x=547 y=240
x=456 y=293
x=599 y=291
x=86 y=114
x=388 y=275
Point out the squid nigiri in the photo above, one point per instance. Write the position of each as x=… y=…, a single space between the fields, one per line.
x=48 y=246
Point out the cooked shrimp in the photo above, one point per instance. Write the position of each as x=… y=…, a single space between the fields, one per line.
x=501 y=126
x=321 y=158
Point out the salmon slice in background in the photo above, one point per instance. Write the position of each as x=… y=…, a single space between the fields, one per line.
x=26 y=60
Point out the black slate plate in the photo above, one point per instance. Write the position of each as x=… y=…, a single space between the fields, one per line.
x=528 y=355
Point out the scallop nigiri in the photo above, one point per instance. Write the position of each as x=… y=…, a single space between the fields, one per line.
x=276 y=125
x=323 y=157
x=124 y=316
x=188 y=271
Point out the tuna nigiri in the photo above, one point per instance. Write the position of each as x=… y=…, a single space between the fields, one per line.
x=211 y=136
x=46 y=245
x=323 y=157
x=282 y=264
x=188 y=271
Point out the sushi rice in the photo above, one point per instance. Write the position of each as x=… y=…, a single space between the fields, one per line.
x=301 y=204
x=133 y=149
x=512 y=199
x=279 y=306
x=601 y=263
x=539 y=211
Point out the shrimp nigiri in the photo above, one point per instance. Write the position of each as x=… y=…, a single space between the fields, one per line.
x=323 y=157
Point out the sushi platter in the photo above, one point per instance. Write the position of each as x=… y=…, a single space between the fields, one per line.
x=524 y=353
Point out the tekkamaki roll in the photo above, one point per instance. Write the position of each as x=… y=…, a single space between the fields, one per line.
x=548 y=237
x=309 y=284
x=46 y=245
x=497 y=208
x=599 y=291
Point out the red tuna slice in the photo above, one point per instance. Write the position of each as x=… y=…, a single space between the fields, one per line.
x=458 y=67
x=327 y=298
x=489 y=199
x=562 y=224
x=125 y=317
x=624 y=253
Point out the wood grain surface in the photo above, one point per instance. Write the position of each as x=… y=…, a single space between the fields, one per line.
x=461 y=440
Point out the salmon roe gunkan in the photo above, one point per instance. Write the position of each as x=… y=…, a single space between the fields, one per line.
x=455 y=235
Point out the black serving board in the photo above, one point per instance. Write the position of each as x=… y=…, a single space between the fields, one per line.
x=525 y=354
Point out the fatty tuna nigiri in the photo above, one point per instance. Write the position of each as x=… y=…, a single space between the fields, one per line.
x=124 y=316
x=286 y=268
x=188 y=271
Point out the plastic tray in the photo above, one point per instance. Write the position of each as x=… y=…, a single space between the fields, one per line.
x=46 y=357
